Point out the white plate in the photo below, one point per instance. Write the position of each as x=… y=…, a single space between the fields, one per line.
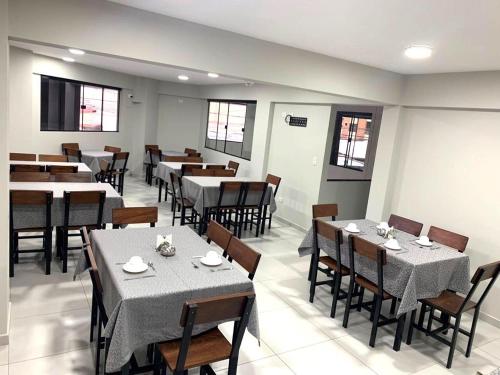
x=392 y=248
x=427 y=244
x=352 y=231
x=135 y=268
x=211 y=262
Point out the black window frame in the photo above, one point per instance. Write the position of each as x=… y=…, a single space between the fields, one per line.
x=228 y=101
x=83 y=83
x=337 y=135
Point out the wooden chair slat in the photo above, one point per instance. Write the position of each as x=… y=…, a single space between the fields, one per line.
x=405 y=225
x=16 y=156
x=135 y=215
x=448 y=238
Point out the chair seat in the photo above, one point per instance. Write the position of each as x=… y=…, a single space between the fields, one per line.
x=367 y=284
x=206 y=348
x=332 y=264
x=185 y=202
x=449 y=303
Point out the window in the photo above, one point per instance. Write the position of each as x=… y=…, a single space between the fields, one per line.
x=351 y=139
x=67 y=105
x=230 y=127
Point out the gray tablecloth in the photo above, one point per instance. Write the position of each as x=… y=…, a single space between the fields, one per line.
x=204 y=192
x=91 y=158
x=165 y=168
x=82 y=167
x=31 y=217
x=411 y=274
x=148 y=310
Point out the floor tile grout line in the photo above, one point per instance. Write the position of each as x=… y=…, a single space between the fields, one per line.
x=45 y=314
x=52 y=354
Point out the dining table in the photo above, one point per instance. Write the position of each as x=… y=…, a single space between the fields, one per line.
x=82 y=167
x=93 y=157
x=33 y=216
x=412 y=273
x=204 y=192
x=146 y=308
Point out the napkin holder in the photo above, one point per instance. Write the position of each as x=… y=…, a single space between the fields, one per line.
x=164 y=246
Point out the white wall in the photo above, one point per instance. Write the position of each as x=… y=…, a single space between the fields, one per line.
x=4 y=208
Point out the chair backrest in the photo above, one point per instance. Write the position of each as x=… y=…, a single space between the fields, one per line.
x=447 y=238
x=216 y=166
x=155 y=155
x=74 y=146
x=189 y=150
x=78 y=198
x=187 y=169
x=231 y=187
x=330 y=233
x=32 y=198
x=258 y=188
x=194 y=154
x=233 y=165
x=203 y=172
x=231 y=307
x=244 y=255
x=119 y=162
x=370 y=251
x=274 y=180
x=112 y=149
x=30 y=177
x=405 y=225
x=325 y=210
x=147 y=147
x=73 y=155
x=22 y=157
x=224 y=172
x=53 y=158
x=487 y=272
x=72 y=177
x=26 y=168
x=218 y=234
x=134 y=215
x=55 y=169
x=182 y=159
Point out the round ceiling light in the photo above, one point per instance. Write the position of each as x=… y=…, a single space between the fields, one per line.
x=68 y=59
x=213 y=75
x=75 y=51
x=182 y=77
x=418 y=52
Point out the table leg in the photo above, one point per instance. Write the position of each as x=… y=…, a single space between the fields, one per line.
x=399 y=332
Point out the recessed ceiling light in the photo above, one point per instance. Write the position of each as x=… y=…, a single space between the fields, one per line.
x=68 y=59
x=182 y=77
x=75 y=51
x=418 y=52
x=213 y=75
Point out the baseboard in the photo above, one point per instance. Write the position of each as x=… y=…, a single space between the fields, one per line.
x=287 y=222
x=489 y=319
x=4 y=337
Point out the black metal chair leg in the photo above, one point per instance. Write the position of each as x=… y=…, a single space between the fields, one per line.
x=337 y=281
x=472 y=333
x=360 y=298
x=264 y=216
x=429 y=323
x=453 y=341
x=410 y=328
x=348 y=304
x=160 y=187
x=314 y=275
x=399 y=333
x=421 y=317
x=393 y=305
x=376 y=316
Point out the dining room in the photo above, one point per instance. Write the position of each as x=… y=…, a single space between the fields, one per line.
x=205 y=187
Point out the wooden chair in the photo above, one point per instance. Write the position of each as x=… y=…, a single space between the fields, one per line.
x=155 y=156
x=73 y=146
x=187 y=169
x=374 y=253
x=117 y=170
x=73 y=155
x=203 y=172
x=72 y=177
x=53 y=158
x=189 y=150
x=254 y=208
x=233 y=165
x=227 y=207
x=181 y=204
x=16 y=156
x=72 y=200
x=194 y=154
x=211 y=346
x=30 y=177
x=331 y=211
x=244 y=255
x=334 y=235
x=216 y=166
x=134 y=215
x=147 y=147
x=275 y=182
x=112 y=149
x=218 y=234
x=26 y=168
x=56 y=169
x=43 y=200
x=447 y=238
x=454 y=305
x=405 y=225
x=224 y=172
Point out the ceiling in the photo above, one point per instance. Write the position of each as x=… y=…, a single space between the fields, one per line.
x=137 y=68
x=464 y=34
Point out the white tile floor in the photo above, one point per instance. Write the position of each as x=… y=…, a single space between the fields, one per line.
x=50 y=320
